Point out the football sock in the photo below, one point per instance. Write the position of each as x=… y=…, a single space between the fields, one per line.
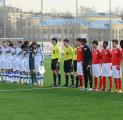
x=96 y=82
x=77 y=81
x=101 y=83
x=116 y=84
x=104 y=83
x=59 y=79
x=72 y=80
x=67 y=78
x=54 y=78
x=81 y=81
x=120 y=84
x=110 y=79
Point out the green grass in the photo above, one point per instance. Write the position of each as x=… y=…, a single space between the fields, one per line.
x=57 y=104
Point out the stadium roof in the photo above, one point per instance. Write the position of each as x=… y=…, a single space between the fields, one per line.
x=61 y=21
x=101 y=24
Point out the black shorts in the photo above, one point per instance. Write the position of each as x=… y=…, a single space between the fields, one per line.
x=54 y=65
x=68 y=66
x=75 y=65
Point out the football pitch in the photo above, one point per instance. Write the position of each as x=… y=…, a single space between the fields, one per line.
x=24 y=102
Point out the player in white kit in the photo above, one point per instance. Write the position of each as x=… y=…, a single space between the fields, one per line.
x=39 y=65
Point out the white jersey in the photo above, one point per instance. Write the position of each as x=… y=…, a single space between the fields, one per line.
x=17 y=61
x=26 y=62
x=4 y=58
x=38 y=59
x=9 y=52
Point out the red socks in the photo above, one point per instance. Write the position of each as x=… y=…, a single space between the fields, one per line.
x=117 y=84
x=104 y=83
x=96 y=82
x=120 y=84
x=81 y=78
x=101 y=83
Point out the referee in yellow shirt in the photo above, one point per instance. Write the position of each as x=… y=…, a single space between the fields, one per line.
x=55 y=62
x=68 y=63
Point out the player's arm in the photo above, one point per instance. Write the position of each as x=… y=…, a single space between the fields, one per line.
x=110 y=53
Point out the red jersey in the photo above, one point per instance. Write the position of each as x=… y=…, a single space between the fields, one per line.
x=106 y=56
x=96 y=56
x=116 y=56
x=122 y=54
x=79 y=54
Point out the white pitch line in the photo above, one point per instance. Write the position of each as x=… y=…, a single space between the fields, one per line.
x=13 y=90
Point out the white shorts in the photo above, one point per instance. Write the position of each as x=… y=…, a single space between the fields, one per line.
x=2 y=64
x=106 y=70
x=116 y=73
x=37 y=66
x=79 y=68
x=96 y=69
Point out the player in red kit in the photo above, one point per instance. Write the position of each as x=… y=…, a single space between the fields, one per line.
x=106 y=65
x=96 y=64
x=116 y=66
x=79 y=62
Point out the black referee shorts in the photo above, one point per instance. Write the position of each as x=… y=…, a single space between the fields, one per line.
x=68 y=66
x=55 y=65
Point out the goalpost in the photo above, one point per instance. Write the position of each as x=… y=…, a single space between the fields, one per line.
x=11 y=39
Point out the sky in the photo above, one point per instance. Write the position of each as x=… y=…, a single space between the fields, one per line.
x=64 y=5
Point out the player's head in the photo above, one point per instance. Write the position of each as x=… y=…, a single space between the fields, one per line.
x=78 y=41
x=34 y=44
x=19 y=43
x=105 y=44
x=84 y=41
x=7 y=43
x=66 y=42
x=121 y=44
x=54 y=41
x=3 y=43
x=23 y=47
x=114 y=43
x=38 y=45
x=26 y=43
x=11 y=44
x=95 y=44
